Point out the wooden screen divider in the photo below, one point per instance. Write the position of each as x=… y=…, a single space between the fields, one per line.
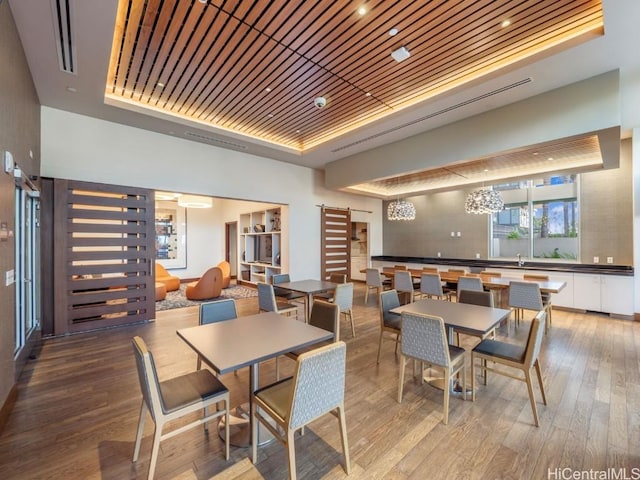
x=103 y=256
x=335 y=226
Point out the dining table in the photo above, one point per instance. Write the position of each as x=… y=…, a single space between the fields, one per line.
x=309 y=288
x=473 y=319
x=498 y=285
x=245 y=342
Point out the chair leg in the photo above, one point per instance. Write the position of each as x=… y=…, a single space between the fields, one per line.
x=366 y=294
x=473 y=379
x=199 y=364
x=532 y=399
x=343 y=437
x=539 y=373
x=291 y=454
x=353 y=327
x=277 y=369
x=143 y=416
x=380 y=345
x=397 y=342
x=447 y=389
x=154 y=450
x=464 y=380
x=401 y=378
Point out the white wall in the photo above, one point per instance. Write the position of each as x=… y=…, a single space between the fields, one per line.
x=83 y=148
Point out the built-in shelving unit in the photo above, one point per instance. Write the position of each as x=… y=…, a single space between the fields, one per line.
x=262 y=245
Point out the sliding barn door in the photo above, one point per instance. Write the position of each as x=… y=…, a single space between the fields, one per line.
x=103 y=245
x=336 y=241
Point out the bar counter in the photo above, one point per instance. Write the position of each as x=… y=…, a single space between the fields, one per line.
x=476 y=265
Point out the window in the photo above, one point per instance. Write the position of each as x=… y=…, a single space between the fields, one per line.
x=540 y=220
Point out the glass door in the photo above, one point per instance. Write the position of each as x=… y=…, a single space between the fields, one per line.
x=26 y=272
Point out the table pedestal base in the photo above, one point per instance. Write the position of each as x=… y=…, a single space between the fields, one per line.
x=240 y=429
x=440 y=383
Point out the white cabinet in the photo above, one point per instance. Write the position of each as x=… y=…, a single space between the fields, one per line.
x=603 y=293
x=261 y=245
x=586 y=292
x=616 y=294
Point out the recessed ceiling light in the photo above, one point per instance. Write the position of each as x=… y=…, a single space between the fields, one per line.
x=368 y=94
x=270 y=115
x=203 y=1
x=71 y=89
x=362 y=10
x=550 y=158
x=297 y=131
x=393 y=32
x=160 y=85
x=486 y=169
x=505 y=23
x=267 y=89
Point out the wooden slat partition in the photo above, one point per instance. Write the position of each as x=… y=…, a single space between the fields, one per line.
x=103 y=254
x=336 y=241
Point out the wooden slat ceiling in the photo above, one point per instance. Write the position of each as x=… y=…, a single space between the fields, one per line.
x=254 y=67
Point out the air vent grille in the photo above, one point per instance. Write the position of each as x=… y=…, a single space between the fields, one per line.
x=439 y=112
x=216 y=141
x=63 y=26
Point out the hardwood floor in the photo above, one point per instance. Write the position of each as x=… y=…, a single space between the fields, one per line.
x=78 y=404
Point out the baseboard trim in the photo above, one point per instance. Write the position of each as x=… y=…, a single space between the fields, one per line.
x=7 y=407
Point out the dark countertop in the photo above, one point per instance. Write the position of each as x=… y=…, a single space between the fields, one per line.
x=478 y=265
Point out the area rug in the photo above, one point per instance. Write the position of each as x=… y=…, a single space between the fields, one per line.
x=177 y=298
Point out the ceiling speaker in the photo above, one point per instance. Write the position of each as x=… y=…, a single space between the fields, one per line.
x=400 y=54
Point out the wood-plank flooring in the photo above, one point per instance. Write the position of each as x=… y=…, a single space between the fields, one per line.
x=78 y=405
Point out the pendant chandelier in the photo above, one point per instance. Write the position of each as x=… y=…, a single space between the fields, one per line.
x=484 y=200
x=401 y=210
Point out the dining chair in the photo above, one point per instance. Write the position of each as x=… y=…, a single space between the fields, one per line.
x=343 y=297
x=487 y=273
x=466 y=282
x=546 y=297
x=171 y=399
x=403 y=284
x=475 y=297
x=520 y=357
x=389 y=321
x=431 y=287
x=267 y=301
x=283 y=293
x=325 y=315
x=316 y=388
x=424 y=340
x=452 y=286
x=334 y=278
x=524 y=296
x=216 y=311
x=375 y=280
x=430 y=269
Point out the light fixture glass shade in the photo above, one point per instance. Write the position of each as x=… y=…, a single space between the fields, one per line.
x=484 y=201
x=401 y=210
x=195 y=201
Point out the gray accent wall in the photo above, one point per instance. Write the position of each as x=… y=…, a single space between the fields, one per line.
x=606 y=221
